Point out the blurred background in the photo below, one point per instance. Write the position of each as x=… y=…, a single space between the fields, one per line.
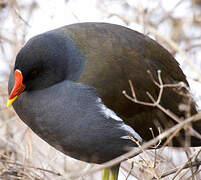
x=175 y=24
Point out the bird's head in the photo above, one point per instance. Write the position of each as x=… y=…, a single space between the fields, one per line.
x=45 y=60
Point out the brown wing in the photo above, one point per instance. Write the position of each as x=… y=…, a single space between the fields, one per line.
x=114 y=55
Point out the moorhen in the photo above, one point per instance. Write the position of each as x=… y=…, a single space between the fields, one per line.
x=69 y=84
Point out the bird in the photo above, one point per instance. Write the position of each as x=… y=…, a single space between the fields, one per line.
x=67 y=83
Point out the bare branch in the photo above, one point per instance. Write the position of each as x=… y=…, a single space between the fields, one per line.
x=185 y=164
x=156 y=103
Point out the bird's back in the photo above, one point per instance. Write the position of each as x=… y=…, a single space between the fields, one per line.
x=114 y=55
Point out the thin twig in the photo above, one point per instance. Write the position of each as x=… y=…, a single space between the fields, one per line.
x=156 y=103
x=172 y=171
x=182 y=167
x=25 y=166
x=129 y=173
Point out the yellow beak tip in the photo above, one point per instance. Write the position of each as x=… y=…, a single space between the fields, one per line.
x=10 y=101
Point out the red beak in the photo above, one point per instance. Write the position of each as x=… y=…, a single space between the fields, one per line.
x=18 y=87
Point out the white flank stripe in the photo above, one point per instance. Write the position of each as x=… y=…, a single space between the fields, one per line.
x=108 y=113
x=131 y=131
x=125 y=137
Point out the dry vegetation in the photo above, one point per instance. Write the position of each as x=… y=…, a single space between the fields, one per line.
x=24 y=156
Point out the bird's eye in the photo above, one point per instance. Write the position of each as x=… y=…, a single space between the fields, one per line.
x=33 y=74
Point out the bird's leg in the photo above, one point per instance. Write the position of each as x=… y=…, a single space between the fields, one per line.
x=110 y=173
x=105 y=174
